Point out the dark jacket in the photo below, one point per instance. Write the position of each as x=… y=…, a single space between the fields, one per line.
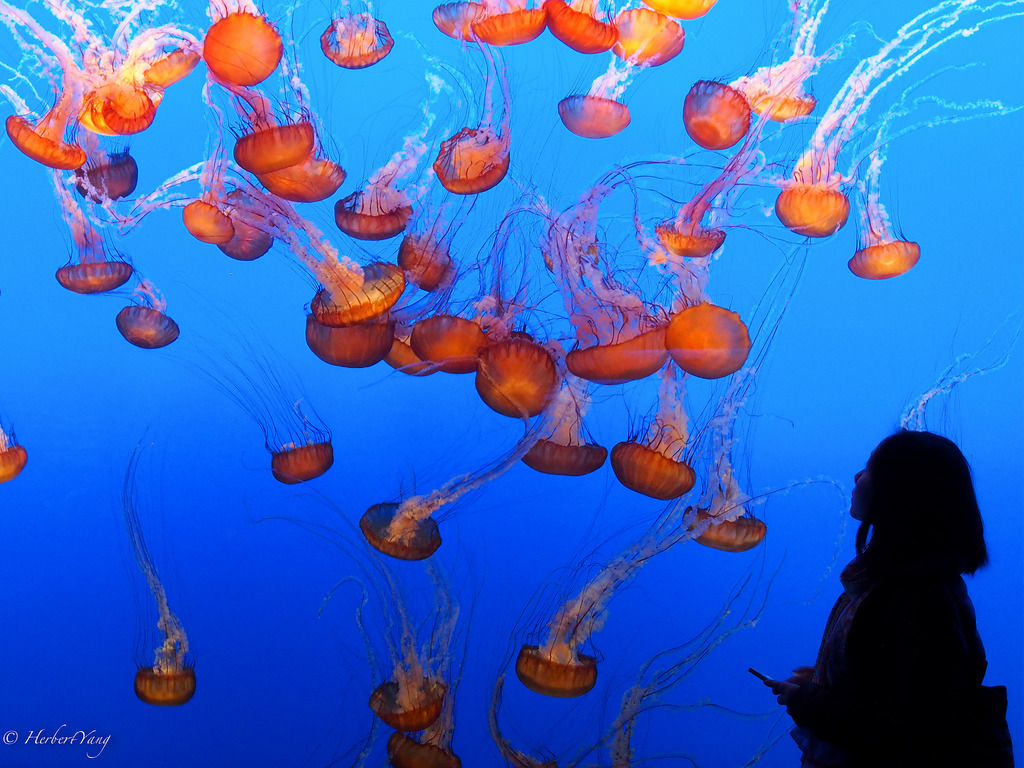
x=912 y=695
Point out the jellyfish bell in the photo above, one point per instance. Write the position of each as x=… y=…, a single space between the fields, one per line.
x=401 y=357
x=13 y=457
x=310 y=181
x=172 y=67
x=146 y=327
x=111 y=177
x=247 y=242
x=516 y=377
x=291 y=463
x=43 y=142
x=272 y=147
x=647 y=37
x=682 y=9
x=689 y=240
x=356 y=40
x=553 y=674
x=456 y=19
x=737 y=535
x=715 y=115
x=554 y=458
x=576 y=24
x=409 y=710
x=352 y=346
x=425 y=260
x=90 y=277
x=472 y=161
x=117 y=108
x=377 y=213
x=418 y=543
x=242 y=48
x=514 y=27
x=885 y=260
x=381 y=287
x=453 y=343
x=649 y=471
x=708 y=341
x=812 y=210
x=206 y=222
x=618 y=362
x=404 y=751
x=593 y=117
x=165 y=688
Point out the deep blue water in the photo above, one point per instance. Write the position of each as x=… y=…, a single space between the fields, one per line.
x=283 y=676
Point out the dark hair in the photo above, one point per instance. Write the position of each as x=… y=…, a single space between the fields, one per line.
x=920 y=504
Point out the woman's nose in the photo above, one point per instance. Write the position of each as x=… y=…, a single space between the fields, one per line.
x=856 y=477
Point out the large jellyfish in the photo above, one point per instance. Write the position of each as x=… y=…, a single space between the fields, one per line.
x=171 y=680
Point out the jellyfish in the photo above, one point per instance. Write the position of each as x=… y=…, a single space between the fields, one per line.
x=716 y=116
x=90 y=269
x=241 y=47
x=708 y=341
x=356 y=40
x=777 y=90
x=563 y=451
x=578 y=24
x=171 y=680
x=812 y=202
x=107 y=176
x=682 y=9
x=12 y=455
x=247 y=242
x=205 y=217
x=144 y=323
x=508 y=22
x=476 y=159
x=656 y=467
x=598 y=113
x=380 y=210
x=647 y=37
x=619 y=337
x=425 y=252
x=263 y=386
x=456 y=19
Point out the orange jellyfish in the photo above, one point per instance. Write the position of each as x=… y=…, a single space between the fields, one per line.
x=456 y=19
x=598 y=113
x=247 y=242
x=708 y=341
x=476 y=159
x=107 y=177
x=206 y=217
x=267 y=390
x=426 y=258
x=171 y=680
x=716 y=116
x=516 y=376
x=578 y=24
x=647 y=37
x=682 y=9
x=12 y=455
x=380 y=210
x=564 y=451
x=777 y=90
x=656 y=467
x=241 y=46
x=43 y=140
x=508 y=22
x=144 y=323
x=619 y=337
x=401 y=357
x=451 y=342
x=90 y=269
x=173 y=66
x=359 y=345
x=356 y=40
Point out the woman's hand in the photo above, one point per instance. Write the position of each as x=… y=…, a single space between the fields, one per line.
x=784 y=689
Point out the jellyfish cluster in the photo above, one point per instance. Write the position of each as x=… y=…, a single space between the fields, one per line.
x=445 y=248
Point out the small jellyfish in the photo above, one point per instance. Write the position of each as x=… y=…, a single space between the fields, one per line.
x=456 y=19
x=12 y=456
x=565 y=451
x=107 y=176
x=598 y=113
x=656 y=467
x=144 y=323
x=171 y=680
x=247 y=242
x=356 y=40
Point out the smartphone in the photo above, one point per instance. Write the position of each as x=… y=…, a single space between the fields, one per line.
x=758 y=675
